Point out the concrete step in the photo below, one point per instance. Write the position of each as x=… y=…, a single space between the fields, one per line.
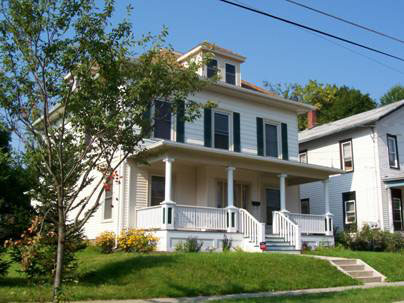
x=270 y=244
x=349 y=268
x=361 y=274
x=293 y=252
x=281 y=248
x=370 y=279
x=342 y=262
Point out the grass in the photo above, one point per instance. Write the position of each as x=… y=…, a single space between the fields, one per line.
x=389 y=264
x=374 y=295
x=129 y=276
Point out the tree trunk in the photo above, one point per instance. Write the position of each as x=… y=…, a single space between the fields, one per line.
x=57 y=282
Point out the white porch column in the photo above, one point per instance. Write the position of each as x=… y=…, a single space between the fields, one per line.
x=232 y=212
x=168 y=205
x=328 y=215
x=282 y=190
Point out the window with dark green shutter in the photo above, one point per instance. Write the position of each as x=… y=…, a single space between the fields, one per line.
x=207 y=119
x=260 y=136
x=236 y=132
x=181 y=123
x=349 y=210
x=162 y=120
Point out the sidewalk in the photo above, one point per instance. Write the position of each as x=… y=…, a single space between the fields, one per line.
x=249 y=295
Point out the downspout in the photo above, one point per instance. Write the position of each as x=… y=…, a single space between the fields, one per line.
x=122 y=174
x=377 y=177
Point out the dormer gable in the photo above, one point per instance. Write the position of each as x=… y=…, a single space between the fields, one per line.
x=223 y=62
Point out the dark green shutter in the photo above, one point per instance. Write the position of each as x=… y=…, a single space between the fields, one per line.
x=260 y=136
x=207 y=118
x=285 y=151
x=236 y=132
x=181 y=122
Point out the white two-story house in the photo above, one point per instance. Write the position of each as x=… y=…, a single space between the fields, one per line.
x=369 y=147
x=234 y=172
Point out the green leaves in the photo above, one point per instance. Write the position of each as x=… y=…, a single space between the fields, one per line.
x=394 y=94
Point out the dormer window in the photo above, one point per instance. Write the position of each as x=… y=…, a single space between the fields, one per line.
x=230 y=74
x=211 y=68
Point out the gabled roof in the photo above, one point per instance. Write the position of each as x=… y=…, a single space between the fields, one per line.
x=362 y=119
x=254 y=87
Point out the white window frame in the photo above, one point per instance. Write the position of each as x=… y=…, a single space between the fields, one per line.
x=393 y=139
x=229 y=114
x=173 y=123
x=350 y=212
x=342 y=143
x=108 y=220
x=278 y=134
x=303 y=154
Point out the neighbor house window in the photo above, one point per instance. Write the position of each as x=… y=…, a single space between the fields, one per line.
x=346 y=155
x=157 y=190
x=108 y=200
x=350 y=212
x=303 y=157
x=271 y=136
x=393 y=151
x=230 y=74
x=221 y=130
x=211 y=68
x=162 y=120
x=305 y=206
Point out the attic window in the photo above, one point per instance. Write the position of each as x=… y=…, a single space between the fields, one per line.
x=230 y=74
x=211 y=68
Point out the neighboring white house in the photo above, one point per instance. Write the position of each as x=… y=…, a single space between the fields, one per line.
x=370 y=148
x=232 y=173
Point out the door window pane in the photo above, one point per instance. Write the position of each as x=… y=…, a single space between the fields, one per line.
x=162 y=120
x=273 y=203
x=271 y=140
x=221 y=130
x=157 y=190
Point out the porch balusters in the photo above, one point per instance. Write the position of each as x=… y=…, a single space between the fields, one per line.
x=232 y=212
x=168 y=205
x=328 y=215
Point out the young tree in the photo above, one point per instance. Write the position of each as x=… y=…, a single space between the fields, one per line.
x=76 y=88
x=394 y=94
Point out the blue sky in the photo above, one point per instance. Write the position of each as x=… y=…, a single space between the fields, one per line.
x=281 y=53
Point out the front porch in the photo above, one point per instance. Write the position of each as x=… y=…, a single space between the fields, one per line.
x=205 y=195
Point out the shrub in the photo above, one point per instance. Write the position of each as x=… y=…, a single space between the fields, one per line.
x=137 y=240
x=105 y=242
x=4 y=265
x=227 y=243
x=36 y=251
x=189 y=245
x=368 y=239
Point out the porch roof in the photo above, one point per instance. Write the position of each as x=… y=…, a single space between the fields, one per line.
x=394 y=182
x=298 y=173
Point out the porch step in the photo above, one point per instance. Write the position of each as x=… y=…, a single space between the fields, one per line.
x=358 y=270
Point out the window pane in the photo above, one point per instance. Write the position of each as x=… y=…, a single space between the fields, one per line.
x=305 y=206
x=350 y=218
x=271 y=140
x=157 y=190
x=347 y=151
x=108 y=209
x=162 y=120
x=221 y=131
x=392 y=150
x=350 y=206
x=230 y=74
x=211 y=68
x=303 y=157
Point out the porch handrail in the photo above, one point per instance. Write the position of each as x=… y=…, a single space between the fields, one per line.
x=200 y=218
x=149 y=217
x=287 y=229
x=310 y=224
x=250 y=227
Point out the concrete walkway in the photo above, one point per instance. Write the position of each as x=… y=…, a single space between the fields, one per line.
x=250 y=295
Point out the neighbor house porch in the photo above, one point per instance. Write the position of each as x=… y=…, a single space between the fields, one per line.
x=207 y=193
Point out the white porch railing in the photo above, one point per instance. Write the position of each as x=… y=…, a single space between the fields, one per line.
x=200 y=218
x=312 y=224
x=250 y=227
x=149 y=217
x=287 y=229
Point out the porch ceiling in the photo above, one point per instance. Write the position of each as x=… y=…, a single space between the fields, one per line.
x=298 y=173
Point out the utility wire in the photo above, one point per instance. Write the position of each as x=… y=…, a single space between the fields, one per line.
x=311 y=29
x=346 y=21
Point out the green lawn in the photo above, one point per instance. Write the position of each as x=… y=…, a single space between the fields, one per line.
x=374 y=295
x=123 y=276
x=389 y=264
